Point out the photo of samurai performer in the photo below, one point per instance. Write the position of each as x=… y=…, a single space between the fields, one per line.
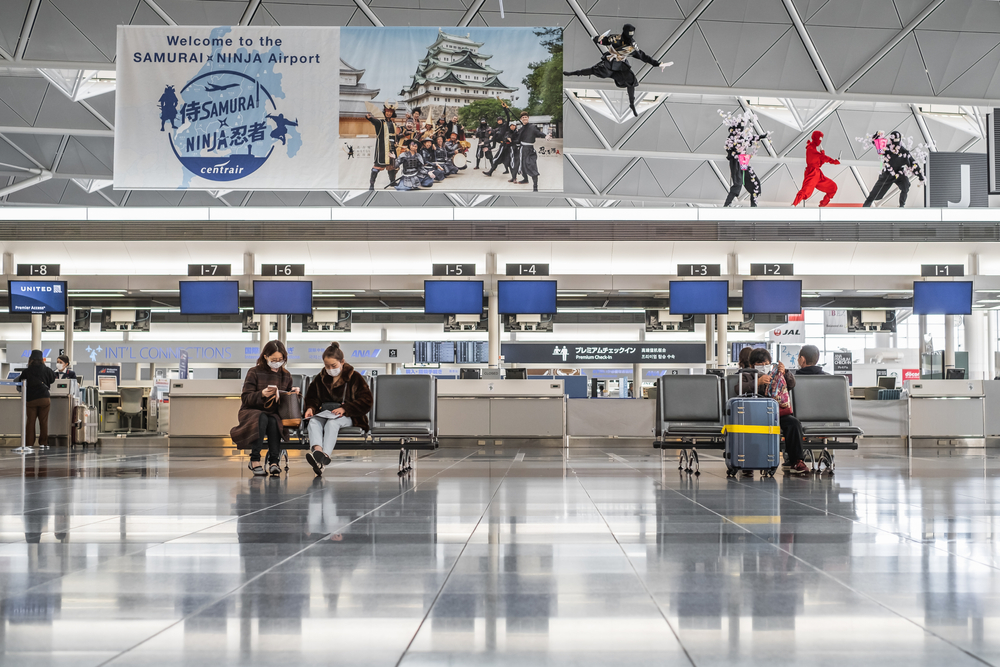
x=614 y=63
x=385 y=144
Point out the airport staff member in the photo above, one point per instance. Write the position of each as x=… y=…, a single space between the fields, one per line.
x=63 y=371
x=808 y=358
x=37 y=379
x=258 y=416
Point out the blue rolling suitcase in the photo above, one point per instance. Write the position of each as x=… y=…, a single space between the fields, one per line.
x=753 y=435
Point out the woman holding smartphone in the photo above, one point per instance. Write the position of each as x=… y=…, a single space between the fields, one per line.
x=338 y=397
x=258 y=415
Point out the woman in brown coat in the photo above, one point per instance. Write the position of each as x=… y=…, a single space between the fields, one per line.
x=337 y=397
x=259 y=412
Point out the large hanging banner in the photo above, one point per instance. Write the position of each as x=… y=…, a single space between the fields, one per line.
x=451 y=109
x=226 y=108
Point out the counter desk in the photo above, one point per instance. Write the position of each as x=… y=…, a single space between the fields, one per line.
x=62 y=395
x=204 y=408
x=611 y=418
x=501 y=408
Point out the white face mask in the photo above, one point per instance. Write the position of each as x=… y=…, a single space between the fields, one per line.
x=763 y=368
x=275 y=365
x=61 y=367
x=333 y=372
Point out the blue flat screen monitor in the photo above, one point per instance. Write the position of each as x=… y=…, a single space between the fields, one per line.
x=772 y=297
x=526 y=297
x=210 y=297
x=37 y=296
x=699 y=297
x=282 y=297
x=942 y=298
x=453 y=297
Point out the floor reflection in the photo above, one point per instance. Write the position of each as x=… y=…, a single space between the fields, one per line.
x=584 y=557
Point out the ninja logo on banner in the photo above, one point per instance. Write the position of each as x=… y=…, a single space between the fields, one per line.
x=212 y=108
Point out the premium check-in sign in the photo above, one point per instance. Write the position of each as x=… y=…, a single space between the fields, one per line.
x=603 y=353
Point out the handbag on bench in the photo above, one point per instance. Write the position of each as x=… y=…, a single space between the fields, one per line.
x=290 y=410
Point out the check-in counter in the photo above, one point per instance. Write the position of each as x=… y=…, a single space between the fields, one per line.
x=10 y=411
x=947 y=408
x=881 y=419
x=204 y=408
x=112 y=421
x=501 y=408
x=610 y=418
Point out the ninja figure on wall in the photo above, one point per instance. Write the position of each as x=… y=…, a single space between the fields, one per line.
x=899 y=164
x=385 y=144
x=741 y=145
x=614 y=63
x=814 y=179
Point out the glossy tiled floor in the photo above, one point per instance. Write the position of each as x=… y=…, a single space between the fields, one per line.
x=137 y=556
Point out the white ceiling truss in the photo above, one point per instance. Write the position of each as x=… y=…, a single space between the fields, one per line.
x=846 y=67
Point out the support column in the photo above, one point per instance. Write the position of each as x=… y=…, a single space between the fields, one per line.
x=710 y=341
x=68 y=333
x=991 y=344
x=283 y=329
x=265 y=329
x=922 y=344
x=36 y=331
x=637 y=372
x=493 y=319
x=975 y=345
x=722 y=342
x=949 y=342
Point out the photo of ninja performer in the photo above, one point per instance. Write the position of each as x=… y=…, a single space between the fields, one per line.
x=385 y=144
x=614 y=64
x=483 y=148
x=897 y=167
x=528 y=158
x=814 y=178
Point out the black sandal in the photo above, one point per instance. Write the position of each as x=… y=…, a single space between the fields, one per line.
x=258 y=470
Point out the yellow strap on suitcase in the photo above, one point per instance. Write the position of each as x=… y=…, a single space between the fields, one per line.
x=759 y=430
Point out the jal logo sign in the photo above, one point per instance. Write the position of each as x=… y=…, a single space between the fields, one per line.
x=957 y=180
x=790 y=333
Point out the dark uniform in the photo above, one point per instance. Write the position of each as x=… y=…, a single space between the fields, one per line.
x=741 y=178
x=896 y=162
x=385 y=145
x=501 y=139
x=527 y=157
x=614 y=65
x=483 y=142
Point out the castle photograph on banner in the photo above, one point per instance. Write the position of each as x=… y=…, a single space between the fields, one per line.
x=451 y=109
x=226 y=108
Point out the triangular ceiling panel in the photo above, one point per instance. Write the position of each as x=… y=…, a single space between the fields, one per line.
x=748 y=11
x=948 y=55
x=154 y=198
x=671 y=173
x=982 y=79
x=14 y=13
x=627 y=9
x=780 y=187
x=601 y=169
x=947 y=138
x=808 y=8
x=611 y=130
x=702 y=184
x=74 y=195
x=98 y=20
x=697 y=122
x=263 y=17
x=899 y=72
x=693 y=61
x=851 y=13
x=146 y=16
x=786 y=65
x=578 y=49
x=318 y=199
x=76 y=159
x=573 y=182
x=199 y=198
x=658 y=133
x=210 y=12
x=104 y=105
x=54 y=37
x=780 y=135
x=964 y=16
x=737 y=46
x=310 y=14
x=10 y=156
x=578 y=134
x=907 y=10
x=59 y=111
x=47 y=193
x=866 y=123
x=638 y=182
x=845 y=50
x=262 y=198
x=9 y=118
x=41 y=147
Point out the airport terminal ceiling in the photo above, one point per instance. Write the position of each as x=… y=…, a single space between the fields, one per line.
x=847 y=68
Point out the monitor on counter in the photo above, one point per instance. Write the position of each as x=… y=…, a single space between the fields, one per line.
x=282 y=297
x=37 y=296
x=210 y=297
x=526 y=297
x=699 y=297
x=469 y=374
x=516 y=374
x=887 y=382
x=942 y=298
x=954 y=374
x=772 y=297
x=453 y=297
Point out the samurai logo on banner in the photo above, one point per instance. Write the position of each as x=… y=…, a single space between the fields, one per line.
x=226 y=108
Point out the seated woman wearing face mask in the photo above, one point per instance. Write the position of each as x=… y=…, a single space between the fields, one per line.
x=63 y=371
x=337 y=397
x=258 y=414
x=791 y=428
